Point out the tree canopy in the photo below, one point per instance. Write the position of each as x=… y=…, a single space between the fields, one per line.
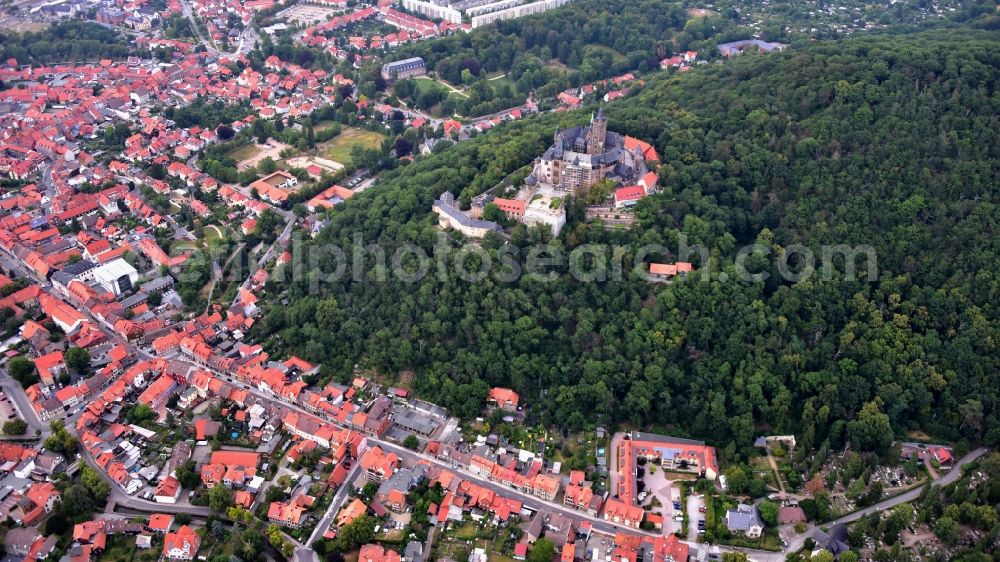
x=890 y=141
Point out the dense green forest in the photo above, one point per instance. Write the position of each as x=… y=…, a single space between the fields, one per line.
x=593 y=39
x=597 y=38
x=892 y=141
x=66 y=41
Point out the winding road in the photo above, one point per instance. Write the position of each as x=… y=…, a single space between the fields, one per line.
x=906 y=497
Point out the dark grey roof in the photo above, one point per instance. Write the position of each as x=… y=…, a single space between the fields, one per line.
x=414 y=421
x=404 y=479
x=414 y=552
x=135 y=300
x=62 y=278
x=835 y=541
x=447 y=205
x=743 y=517
x=412 y=62
x=79 y=268
x=158 y=284
x=640 y=436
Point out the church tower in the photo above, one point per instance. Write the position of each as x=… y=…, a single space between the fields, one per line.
x=598 y=132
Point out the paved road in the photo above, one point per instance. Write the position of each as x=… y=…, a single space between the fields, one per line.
x=335 y=505
x=121 y=499
x=16 y=394
x=247 y=39
x=189 y=14
x=951 y=476
x=527 y=500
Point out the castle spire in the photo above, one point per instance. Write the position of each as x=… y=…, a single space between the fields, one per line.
x=597 y=134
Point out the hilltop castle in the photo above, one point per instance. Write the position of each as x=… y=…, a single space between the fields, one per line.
x=583 y=155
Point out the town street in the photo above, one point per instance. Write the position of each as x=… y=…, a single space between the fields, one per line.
x=335 y=505
x=12 y=389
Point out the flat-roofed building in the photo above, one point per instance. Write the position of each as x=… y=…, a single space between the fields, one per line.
x=117 y=276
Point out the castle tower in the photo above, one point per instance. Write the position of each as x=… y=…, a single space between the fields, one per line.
x=598 y=132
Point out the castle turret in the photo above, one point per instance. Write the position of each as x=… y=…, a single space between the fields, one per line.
x=598 y=133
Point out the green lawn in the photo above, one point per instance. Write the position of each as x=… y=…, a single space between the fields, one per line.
x=339 y=147
x=424 y=84
x=122 y=549
x=212 y=233
x=243 y=152
x=324 y=125
x=183 y=245
x=496 y=83
x=466 y=531
x=615 y=55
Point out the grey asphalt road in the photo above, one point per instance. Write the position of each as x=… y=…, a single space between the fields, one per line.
x=120 y=498
x=16 y=394
x=335 y=505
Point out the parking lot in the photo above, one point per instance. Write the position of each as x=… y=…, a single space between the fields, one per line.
x=307 y=14
x=696 y=516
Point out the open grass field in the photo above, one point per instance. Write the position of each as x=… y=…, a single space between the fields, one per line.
x=243 y=152
x=183 y=246
x=615 y=55
x=501 y=80
x=212 y=233
x=339 y=147
x=555 y=64
x=323 y=125
x=424 y=82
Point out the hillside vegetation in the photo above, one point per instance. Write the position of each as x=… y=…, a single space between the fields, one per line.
x=892 y=141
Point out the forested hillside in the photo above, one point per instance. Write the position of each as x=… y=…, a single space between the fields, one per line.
x=892 y=141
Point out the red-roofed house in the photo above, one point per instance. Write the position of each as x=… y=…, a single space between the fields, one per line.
x=160 y=522
x=375 y=553
x=182 y=544
x=286 y=514
x=663 y=271
x=157 y=393
x=168 y=490
x=377 y=464
x=627 y=197
x=50 y=366
x=504 y=398
x=352 y=511
x=622 y=513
